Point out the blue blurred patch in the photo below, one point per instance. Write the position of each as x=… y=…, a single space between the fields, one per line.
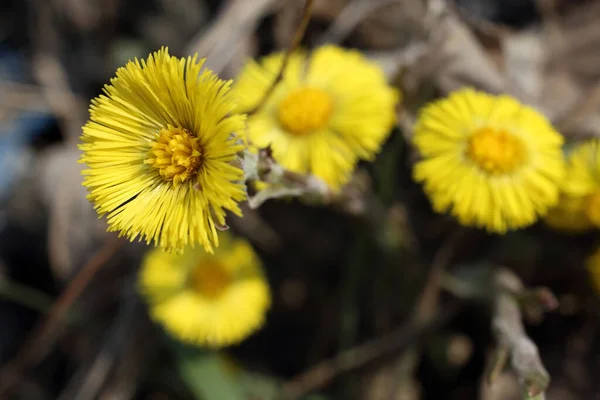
x=18 y=127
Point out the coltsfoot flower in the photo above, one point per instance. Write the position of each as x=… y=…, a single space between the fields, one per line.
x=162 y=152
x=570 y=215
x=212 y=300
x=332 y=109
x=489 y=160
x=579 y=207
x=592 y=264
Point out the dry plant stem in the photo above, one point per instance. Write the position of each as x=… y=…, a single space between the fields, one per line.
x=484 y=26
x=40 y=341
x=512 y=340
x=355 y=199
x=349 y=18
x=218 y=42
x=24 y=295
x=293 y=46
x=360 y=356
x=17 y=96
x=89 y=381
x=283 y=183
x=425 y=308
x=551 y=21
x=357 y=357
x=586 y=106
x=253 y=226
x=70 y=111
x=431 y=292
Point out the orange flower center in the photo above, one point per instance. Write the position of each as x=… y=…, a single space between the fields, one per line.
x=210 y=279
x=305 y=110
x=176 y=154
x=592 y=208
x=496 y=151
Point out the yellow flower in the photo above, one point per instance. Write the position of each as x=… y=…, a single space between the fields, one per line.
x=212 y=300
x=331 y=110
x=592 y=264
x=579 y=205
x=162 y=152
x=491 y=161
x=569 y=215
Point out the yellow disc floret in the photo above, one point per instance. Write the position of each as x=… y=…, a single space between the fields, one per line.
x=176 y=154
x=210 y=278
x=495 y=150
x=305 y=110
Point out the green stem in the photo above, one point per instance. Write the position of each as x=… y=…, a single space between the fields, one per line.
x=350 y=312
x=25 y=295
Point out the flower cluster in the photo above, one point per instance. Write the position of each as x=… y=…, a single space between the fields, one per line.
x=167 y=158
x=162 y=148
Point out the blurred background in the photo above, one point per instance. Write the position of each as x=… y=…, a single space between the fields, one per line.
x=350 y=319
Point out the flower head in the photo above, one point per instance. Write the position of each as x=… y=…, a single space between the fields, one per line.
x=579 y=205
x=161 y=152
x=491 y=161
x=211 y=300
x=332 y=109
x=569 y=215
x=592 y=264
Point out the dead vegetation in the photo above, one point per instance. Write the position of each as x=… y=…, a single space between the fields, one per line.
x=399 y=303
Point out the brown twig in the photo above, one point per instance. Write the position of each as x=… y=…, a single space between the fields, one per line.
x=218 y=42
x=352 y=15
x=424 y=310
x=551 y=22
x=386 y=346
x=18 y=96
x=42 y=338
x=429 y=296
x=484 y=26
x=86 y=384
x=513 y=342
x=582 y=108
x=69 y=110
x=360 y=356
x=254 y=226
x=306 y=12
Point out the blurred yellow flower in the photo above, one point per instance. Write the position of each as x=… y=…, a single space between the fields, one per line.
x=162 y=152
x=489 y=160
x=592 y=264
x=569 y=215
x=211 y=300
x=332 y=109
x=579 y=206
